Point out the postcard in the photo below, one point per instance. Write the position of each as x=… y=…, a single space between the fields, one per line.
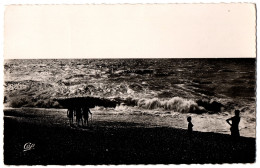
x=128 y=84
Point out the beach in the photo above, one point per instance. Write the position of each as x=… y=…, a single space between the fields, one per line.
x=140 y=111
x=208 y=90
x=113 y=140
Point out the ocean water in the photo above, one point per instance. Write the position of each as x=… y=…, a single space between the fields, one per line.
x=209 y=90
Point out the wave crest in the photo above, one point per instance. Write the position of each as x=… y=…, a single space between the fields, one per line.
x=176 y=104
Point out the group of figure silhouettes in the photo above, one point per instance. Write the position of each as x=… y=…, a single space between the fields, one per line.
x=233 y=125
x=81 y=113
x=84 y=112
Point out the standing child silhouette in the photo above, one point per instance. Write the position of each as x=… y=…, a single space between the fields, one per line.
x=190 y=125
x=86 y=113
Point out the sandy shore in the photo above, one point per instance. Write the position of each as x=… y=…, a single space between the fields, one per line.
x=112 y=141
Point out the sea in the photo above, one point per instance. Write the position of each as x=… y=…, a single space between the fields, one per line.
x=168 y=90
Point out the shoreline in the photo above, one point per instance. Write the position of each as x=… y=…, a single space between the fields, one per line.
x=202 y=122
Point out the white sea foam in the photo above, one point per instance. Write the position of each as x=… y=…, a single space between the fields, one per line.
x=176 y=104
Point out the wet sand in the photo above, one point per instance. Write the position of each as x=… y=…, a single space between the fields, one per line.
x=112 y=142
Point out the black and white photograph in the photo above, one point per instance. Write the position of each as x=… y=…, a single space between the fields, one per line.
x=125 y=84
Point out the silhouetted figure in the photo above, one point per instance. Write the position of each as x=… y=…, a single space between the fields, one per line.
x=86 y=113
x=70 y=115
x=234 y=125
x=190 y=125
x=78 y=116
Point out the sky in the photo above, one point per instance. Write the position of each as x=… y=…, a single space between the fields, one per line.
x=130 y=31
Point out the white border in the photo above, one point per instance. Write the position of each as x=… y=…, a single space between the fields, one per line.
x=6 y=2
x=9 y=2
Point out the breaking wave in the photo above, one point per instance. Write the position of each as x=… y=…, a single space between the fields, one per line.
x=177 y=104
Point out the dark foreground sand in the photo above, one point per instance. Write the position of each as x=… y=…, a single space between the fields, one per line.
x=114 y=142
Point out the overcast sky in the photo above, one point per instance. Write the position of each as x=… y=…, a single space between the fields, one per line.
x=129 y=31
